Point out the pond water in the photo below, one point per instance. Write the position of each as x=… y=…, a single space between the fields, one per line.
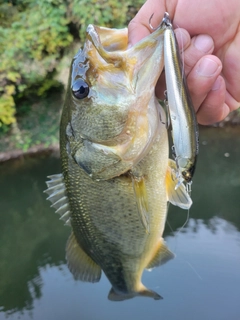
x=202 y=282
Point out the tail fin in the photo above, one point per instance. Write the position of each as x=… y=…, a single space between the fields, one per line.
x=144 y=292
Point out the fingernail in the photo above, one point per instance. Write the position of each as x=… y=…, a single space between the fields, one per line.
x=207 y=67
x=217 y=84
x=182 y=38
x=204 y=43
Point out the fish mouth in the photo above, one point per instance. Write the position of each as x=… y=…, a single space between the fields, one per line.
x=111 y=45
x=109 y=39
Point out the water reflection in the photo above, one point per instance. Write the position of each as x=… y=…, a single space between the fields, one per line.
x=204 y=276
x=30 y=237
x=216 y=188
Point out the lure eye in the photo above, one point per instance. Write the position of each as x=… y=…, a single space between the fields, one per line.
x=187 y=176
x=80 y=89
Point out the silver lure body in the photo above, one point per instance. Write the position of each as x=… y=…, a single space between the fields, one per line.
x=183 y=119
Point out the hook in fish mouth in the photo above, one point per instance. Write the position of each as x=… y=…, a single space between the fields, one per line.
x=165 y=21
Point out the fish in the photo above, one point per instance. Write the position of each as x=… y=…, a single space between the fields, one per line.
x=185 y=131
x=117 y=178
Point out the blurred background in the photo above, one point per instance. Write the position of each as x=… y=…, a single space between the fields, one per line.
x=38 y=40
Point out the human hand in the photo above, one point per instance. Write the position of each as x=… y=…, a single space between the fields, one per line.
x=209 y=35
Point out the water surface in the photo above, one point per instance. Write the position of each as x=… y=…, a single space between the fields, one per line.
x=202 y=282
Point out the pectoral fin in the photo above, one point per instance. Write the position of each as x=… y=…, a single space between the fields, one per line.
x=177 y=195
x=140 y=192
x=161 y=256
x=100 y=162
x=80 y=264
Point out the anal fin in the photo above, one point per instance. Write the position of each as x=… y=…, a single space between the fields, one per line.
x=176 y=193
x=162 y=255
x=79 y=263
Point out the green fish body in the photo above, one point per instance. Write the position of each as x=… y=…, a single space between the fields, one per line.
x=116 y=176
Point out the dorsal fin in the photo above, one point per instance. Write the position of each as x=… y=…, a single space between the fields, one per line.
x=161 y=256
x=140 y=192
x=58 y=197
x=79 y=263
x=177 y=195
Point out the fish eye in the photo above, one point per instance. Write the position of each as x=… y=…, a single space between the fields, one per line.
x=80 y=89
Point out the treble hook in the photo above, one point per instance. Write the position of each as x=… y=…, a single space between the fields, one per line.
x=165 y=21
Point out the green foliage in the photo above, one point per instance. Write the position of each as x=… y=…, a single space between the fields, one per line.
x=108 y=13
x=33 y=36
x=38 y=124
x=7 y=110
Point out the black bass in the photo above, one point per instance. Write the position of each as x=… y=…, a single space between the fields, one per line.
x=117 y=178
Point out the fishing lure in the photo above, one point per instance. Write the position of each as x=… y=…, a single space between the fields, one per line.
x=183 y=118
x=185 y=132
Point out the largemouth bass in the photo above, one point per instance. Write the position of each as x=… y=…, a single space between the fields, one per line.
x=116 y=176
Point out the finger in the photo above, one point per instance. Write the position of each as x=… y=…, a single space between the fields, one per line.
x=231 y=73
x=231 y=102
x=139 y=27
x=202 y=78
x=198 y=47
x=193 y=51
x=183 y=39
x=184 y=42
x=213 y=108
